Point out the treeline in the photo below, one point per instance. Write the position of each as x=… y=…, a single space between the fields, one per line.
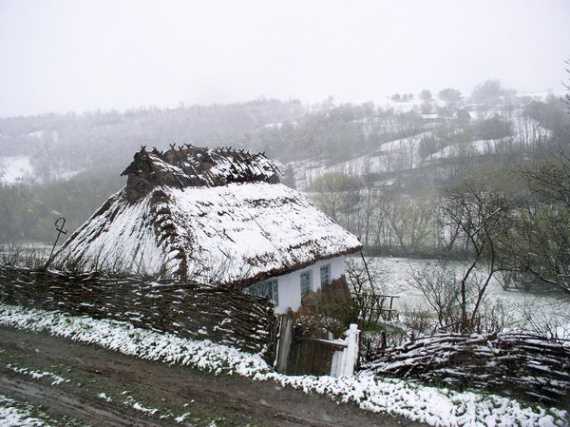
x=28 y=212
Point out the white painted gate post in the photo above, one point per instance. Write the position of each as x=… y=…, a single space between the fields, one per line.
x=343 y=362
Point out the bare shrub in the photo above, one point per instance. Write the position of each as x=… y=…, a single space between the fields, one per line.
x=416 y=321
x=554 y=324
x=440 y=287
x=455 y=295
x=32 y=258
x=366 y=287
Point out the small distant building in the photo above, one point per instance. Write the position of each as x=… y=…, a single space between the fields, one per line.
x=431 y=118
x=212 y=216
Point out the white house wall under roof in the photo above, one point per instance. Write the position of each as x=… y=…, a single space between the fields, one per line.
x=287 y=290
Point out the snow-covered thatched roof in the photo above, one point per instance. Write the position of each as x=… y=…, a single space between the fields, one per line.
x=211 y=216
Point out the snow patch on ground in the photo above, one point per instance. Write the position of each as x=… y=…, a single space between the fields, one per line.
x=15 y=169
x=56 y=379
x=435 y=406
x=13 y=414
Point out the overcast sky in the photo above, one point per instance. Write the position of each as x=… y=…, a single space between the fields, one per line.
x=80 y=55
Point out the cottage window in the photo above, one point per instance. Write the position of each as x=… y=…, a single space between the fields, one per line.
x=268 y=289
x=325 y=275
x=305 y=282
x=273 y=290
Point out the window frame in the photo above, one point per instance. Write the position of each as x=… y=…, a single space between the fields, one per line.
x=305 y=282
x=273 y=290
x=326 y=269
x=267 y=289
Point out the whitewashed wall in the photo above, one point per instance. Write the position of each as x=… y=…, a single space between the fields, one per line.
x=290 y=284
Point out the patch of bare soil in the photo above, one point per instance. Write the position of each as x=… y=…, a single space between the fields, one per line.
x=84 y=384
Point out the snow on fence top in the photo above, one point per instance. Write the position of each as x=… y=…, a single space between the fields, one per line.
x=223 y=316
x=210 y=216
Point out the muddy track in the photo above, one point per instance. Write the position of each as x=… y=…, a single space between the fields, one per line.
x=101 y=387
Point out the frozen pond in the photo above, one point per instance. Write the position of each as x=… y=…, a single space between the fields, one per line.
x=393 y=276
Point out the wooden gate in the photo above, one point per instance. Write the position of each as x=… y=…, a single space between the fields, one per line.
x=297 y=354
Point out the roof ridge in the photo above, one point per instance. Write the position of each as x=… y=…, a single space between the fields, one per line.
x=190 y=166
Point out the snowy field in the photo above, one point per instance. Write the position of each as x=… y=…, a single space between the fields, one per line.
x=434 y=406
x=525 y=311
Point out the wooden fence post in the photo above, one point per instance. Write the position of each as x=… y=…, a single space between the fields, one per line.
x=284 y=342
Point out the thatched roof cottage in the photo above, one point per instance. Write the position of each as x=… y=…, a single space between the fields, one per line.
x=212 y=216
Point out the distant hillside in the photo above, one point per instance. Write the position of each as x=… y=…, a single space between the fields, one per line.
x=67 y=165
x=56 y=145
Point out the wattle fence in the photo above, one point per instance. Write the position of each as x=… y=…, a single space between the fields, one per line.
x=187 y=310
x=508 y=363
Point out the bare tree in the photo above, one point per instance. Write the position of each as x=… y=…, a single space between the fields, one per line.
x=480 y=217
x=411 y=220
x=566 y=98
x=337 y=195
x=366 y=288
x=538 y=250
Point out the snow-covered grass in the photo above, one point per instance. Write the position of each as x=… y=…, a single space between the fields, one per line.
x=56 y=379
x=435 y=406
x=15 y=414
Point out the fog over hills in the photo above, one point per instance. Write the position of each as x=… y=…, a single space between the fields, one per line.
x=53 y=165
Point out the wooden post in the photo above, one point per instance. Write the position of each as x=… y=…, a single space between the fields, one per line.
x=353 y=338
x=344 y=362
x=284 y=342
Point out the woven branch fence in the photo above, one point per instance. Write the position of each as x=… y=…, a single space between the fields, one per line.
x=509 y=364
x=187 y=310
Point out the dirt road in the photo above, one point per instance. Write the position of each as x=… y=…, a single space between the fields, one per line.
x=78 y=384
